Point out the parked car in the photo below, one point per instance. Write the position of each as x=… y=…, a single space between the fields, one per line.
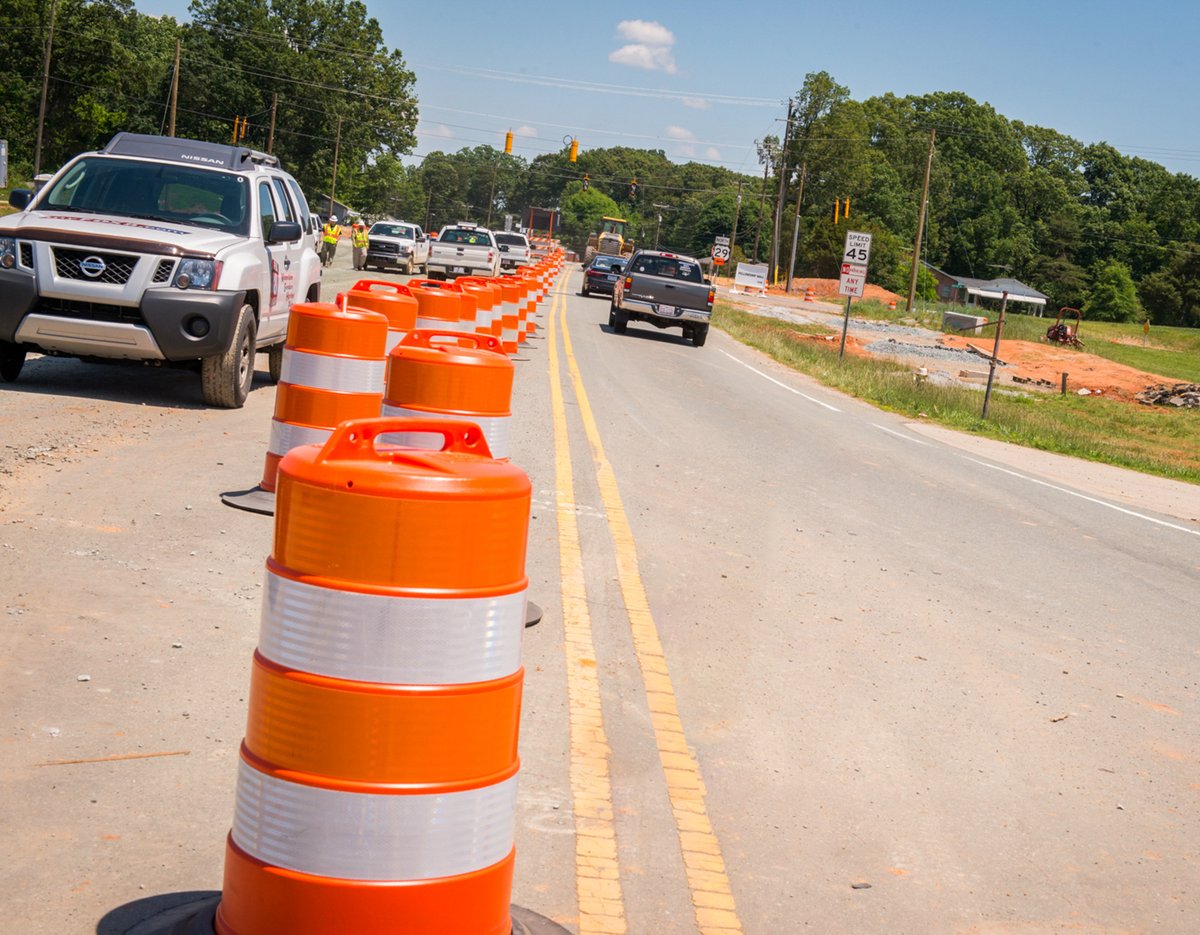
x=397 y=245
x=666 y=290
x=164 y=250
x=600 y=274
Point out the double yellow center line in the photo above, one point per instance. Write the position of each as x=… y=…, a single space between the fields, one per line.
x=601 y=904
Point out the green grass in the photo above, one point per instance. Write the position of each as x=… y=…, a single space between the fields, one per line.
x=1153 y=440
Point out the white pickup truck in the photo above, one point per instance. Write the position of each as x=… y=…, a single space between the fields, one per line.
x=161 y=250
x=397 y=245
x=514 y=249
x=463 y=250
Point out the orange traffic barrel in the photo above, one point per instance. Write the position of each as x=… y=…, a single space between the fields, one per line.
x=510 y=313
x=488 y=300
x=430 y=375
x=334 y=369
x=377 y=782
x=392 y=299
x=440 y=306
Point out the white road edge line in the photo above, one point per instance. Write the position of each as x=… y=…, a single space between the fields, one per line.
x=907 y=438
x=790 y=389
x=1081 y=496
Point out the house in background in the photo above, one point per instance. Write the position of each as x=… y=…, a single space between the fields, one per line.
x=968 y=291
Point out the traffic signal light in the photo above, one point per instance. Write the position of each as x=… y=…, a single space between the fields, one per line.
x=633 y=186
x=508 y=142
x=837 y=210
x=574 y=150
x=587 y=182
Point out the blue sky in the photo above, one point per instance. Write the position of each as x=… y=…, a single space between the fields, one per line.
x=704 y=81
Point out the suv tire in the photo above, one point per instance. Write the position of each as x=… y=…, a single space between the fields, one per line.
x=617 y=320
x=225 y=379
x=12 y=359
x=699 y=335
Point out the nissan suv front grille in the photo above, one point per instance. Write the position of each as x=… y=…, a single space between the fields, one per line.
x=114 y=269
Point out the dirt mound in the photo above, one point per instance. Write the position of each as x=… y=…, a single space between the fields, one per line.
x=1049 y=362
x=826 y=290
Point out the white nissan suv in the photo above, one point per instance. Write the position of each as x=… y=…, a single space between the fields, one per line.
x=162 y=250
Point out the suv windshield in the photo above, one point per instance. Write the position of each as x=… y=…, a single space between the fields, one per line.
x=393 y=230
x=602 y=262
x=153 y=191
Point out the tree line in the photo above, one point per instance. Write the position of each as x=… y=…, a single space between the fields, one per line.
x=1118 y=236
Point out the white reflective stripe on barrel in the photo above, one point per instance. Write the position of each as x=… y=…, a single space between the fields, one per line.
x=508 y=335
x=497 y=430
x=437 y=324
x=396 y=640
x=367 y=836
x=285 y=436
x=394 y=338
x=512 y=308
x=338 y=374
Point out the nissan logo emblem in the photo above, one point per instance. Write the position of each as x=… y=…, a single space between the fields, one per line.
x=92 y=266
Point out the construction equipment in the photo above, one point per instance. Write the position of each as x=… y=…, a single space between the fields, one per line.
x=1061 y=332
x=610 y=240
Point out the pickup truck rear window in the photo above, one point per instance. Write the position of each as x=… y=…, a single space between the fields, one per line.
x=513 y=240
x=668 y=268
x=459 y=235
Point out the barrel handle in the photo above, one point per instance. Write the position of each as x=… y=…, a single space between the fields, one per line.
x=421 y=337
x=355 y=439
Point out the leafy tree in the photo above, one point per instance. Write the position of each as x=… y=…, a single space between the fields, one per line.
x=1112 y=296
x=581 y=214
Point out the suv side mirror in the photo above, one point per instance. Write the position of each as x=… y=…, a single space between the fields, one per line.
x=284 y=232
x=19 y=198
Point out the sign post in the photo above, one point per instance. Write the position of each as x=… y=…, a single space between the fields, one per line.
x=855 y=256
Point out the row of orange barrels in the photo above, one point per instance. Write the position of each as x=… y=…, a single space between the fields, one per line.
x=425 y=349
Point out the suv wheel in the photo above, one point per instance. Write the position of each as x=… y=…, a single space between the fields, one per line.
x=699 y=335
x=275 y=362
x=12 y=359
x=617 y=320
x=225 y=379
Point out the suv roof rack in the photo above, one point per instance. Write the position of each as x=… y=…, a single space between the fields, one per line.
x=190 y=152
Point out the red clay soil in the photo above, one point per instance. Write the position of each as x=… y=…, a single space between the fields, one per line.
x=1049 y=361
x=826 y=290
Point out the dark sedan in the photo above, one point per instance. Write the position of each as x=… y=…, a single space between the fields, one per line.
x=600 y=275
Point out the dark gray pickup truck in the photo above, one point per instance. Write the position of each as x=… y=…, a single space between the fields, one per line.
x=666 y=290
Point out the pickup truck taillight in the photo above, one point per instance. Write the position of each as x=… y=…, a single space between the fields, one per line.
x=712 y=295
x=628 y=281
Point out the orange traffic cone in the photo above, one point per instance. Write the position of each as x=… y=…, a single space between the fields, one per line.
x=809 y=294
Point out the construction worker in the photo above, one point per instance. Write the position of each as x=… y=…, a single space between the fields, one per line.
x=330 y=234
x=358 y=240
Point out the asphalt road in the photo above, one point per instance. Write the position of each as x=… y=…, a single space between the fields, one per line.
x=793 y=646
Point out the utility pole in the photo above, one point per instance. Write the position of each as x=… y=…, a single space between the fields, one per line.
x=761 y=203
x=492 y=193
x=174 y=92
x=736 y=213
x=987 y=393
x=37 y=148
x=912 y=280
x=337 y=145
x=796 y=229
x=777 y=217
x=271 y=129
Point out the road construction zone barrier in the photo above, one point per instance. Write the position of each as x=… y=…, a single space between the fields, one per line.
x=809 y=294
x=442 y=306
x=377 y=781
x=512 y=330
x=392 y=299
x=488 y=302
x=334 y=369
x=892 y=305
x=430 y=376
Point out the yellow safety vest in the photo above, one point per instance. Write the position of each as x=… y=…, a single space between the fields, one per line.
x=331 y=233
x=359 y=237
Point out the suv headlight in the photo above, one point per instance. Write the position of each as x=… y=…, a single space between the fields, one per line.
x=8 y=252
x=197 y=274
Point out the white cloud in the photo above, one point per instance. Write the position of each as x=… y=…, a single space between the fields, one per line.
x=679 y=133
x=645 y=33
x=525 y=131
x=713 y=153
x=696 y=103
x=649 y=46
x=437 y=129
